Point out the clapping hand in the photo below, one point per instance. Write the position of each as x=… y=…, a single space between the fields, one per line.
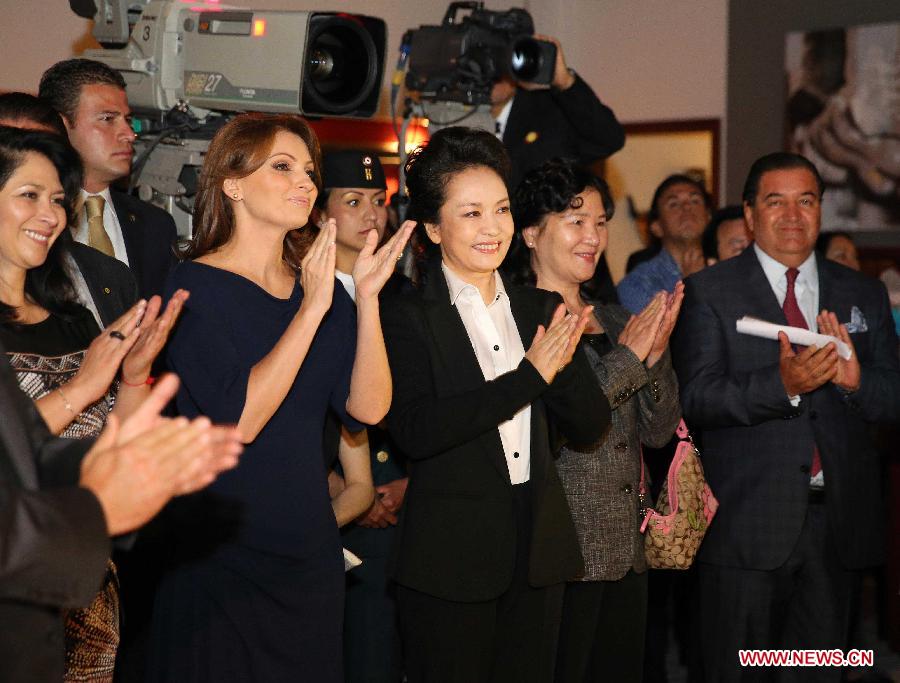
x=847 y=375
x=135 y=468
x=377 y=516
x=317 y=271
x=808 y=370
x=553 y=347
x=392 y=494
x=147 y=415
x=154 y=331
x=373 y=268
x=670 y=317
x=641 y=330
x=104 y=356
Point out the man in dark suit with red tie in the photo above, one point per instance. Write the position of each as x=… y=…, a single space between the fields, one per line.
x=785 y=430
x=91 y=98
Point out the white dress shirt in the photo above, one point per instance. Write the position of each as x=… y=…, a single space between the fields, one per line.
x=347 y=280
x=502 y=118
x=82 y=292
x=806 y=289
x=110 y=223
x=498 y=347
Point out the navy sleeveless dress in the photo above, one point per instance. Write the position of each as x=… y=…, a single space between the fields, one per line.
x=254 y=587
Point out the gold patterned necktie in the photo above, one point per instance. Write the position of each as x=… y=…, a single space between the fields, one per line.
x=97 y=237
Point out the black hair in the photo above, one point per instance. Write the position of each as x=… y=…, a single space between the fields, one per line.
x=48 y=284
x=710 y=237
x=432 y=166
x=552 y=188
x=777 y=161
x=824 y=240
x=17 y=107
x=676 y=179
x=61 y=84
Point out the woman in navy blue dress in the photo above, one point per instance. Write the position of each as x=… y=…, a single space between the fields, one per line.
x=255 y=587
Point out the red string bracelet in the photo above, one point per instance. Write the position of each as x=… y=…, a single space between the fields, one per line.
x=149 y=382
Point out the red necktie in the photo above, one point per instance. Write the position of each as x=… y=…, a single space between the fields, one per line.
x=795 y=319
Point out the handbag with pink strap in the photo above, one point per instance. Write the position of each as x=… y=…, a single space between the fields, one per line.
x=675 y=528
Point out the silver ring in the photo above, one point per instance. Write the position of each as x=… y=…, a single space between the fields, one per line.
x=115 y=334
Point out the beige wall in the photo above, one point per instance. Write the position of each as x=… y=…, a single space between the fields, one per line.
x=648 y=59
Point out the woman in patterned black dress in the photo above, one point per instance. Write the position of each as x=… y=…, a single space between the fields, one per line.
x=54 y=344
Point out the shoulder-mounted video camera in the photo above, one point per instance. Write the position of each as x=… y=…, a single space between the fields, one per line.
x=460 y=60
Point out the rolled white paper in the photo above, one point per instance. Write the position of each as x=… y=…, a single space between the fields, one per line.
x=796 y=335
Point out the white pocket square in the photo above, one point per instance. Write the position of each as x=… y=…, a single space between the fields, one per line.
x=857 y=321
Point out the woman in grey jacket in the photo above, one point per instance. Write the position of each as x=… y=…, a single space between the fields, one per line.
x=561 y=212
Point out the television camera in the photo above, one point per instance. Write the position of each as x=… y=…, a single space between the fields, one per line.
x=188 y=64
x=460 y=60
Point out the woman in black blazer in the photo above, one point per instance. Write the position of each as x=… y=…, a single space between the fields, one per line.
x=486 y=540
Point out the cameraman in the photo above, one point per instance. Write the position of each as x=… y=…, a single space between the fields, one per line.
x=537 y=123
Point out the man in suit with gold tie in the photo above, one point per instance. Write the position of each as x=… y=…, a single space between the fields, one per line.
x=91 y=98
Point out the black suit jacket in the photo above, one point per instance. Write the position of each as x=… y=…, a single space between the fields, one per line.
x=53 y=540
x=456 y=537
x=757 y=448
x=150 y=236
x=571 y=123
x=109 y=281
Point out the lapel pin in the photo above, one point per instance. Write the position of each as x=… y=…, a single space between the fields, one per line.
x=532 y=136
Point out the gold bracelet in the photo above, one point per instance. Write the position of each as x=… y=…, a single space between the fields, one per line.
x=66 y=403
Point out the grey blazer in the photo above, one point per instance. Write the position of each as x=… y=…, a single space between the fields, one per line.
x=601 y=480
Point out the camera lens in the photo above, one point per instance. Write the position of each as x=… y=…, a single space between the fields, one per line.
x=526 y=59
x=341 y=65
x=320 y=64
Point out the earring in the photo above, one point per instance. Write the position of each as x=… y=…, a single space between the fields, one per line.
x=530 y=244
x=235 y=195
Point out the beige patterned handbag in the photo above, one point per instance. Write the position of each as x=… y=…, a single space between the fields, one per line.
x=676 y=527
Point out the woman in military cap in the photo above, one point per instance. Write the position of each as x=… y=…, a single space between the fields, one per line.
x=355 y=196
